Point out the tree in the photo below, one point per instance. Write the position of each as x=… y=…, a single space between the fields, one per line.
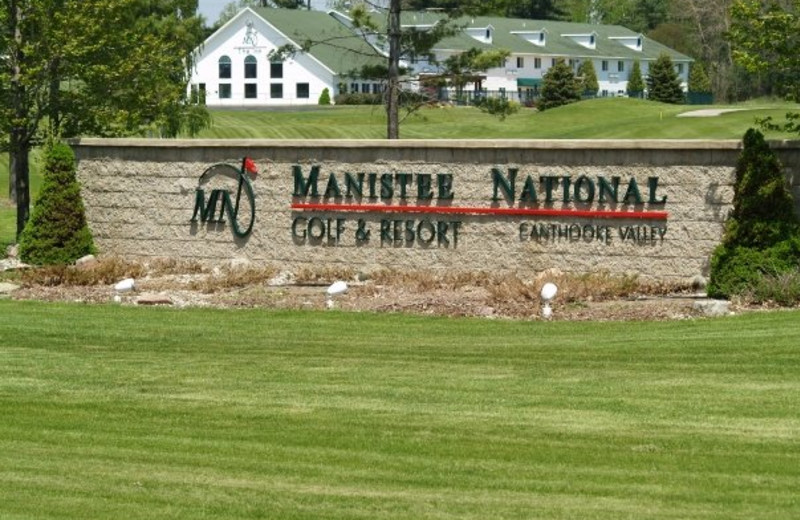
x=57 y=232
x=559 y=86
x=64 y=73
x=663 y=83
x=410 y=42
x=704 y=27
x=461 y=69
x=762 y=234
x=698 y=79
x=764 y=39
x=535 y=9
x=588 y=77
x=635 y=82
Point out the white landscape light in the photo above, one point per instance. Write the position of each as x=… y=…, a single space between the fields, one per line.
x=125 y=285
x=548 y=293
x=336 y=288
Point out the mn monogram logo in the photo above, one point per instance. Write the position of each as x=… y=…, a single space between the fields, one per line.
x=220 y=203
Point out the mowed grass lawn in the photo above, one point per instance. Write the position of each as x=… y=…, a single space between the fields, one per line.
x=593 y=119
x=120 y=412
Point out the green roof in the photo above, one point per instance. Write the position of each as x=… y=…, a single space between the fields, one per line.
x=505 y=35
x=334 y=45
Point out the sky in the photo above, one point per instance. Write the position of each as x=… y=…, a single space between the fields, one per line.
x=210 y=9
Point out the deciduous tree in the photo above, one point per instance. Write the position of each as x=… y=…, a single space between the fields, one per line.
x=764 y=36
x=76 y=67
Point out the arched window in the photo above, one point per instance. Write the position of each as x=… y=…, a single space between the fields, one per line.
x=250 y=67
x=225 y=67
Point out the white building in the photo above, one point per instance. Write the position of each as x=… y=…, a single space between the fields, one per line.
x=237 y=65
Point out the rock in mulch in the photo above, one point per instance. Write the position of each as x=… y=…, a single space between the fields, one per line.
x=713 y=308
x=153 y=299
x=7 y=288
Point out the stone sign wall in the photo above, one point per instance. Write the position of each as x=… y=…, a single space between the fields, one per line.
x=652 y=208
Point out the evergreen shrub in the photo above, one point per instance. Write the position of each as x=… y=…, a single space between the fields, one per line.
x=762 y=235
x=57 y=232
x=325 y=97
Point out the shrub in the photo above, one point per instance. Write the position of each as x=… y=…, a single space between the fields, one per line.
x=762 y=235
x=359 y=99
x=57 y=232
x=325 y=97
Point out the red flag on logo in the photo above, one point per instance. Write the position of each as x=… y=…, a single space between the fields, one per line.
x=250 y=166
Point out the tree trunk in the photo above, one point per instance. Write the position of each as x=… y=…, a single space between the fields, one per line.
x=393 y=80
x=19 y=144
x=19 y=151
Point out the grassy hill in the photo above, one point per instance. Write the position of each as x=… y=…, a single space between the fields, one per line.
x=616 y=118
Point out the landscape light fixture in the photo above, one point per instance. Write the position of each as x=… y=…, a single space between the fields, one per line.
x=336 y=288
x=549 y=291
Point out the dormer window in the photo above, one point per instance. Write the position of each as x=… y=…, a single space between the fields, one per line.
x=537 y=38
x=634 y=43
x=482 y=34
x=585 y=40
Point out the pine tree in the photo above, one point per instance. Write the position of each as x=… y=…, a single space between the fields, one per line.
x=698 y=79
x=663 y=83
x=57 y=232
x=559 y=86
x=635 y=82
x=589 y=83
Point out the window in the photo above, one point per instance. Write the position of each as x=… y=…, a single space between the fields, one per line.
x=276 y=70
x=276 y=90
x=520 y=62
x=620 y=66
x=302 y=91
x=365 y=88
x=376 y=88
x=638 y=43
x=250 y=67
x=224 y=90
x=604 y=66
x=680 y=68
x=354 y=88
x=553 y=62
x=488 y=34
x=224 y=68
x=202 y=94
x=591 y=39
x=537 y=63
x=250 y=91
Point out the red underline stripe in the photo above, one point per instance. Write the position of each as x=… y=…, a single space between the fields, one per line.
x=457 y=210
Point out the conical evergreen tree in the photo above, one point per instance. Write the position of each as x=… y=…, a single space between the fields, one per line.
x=559 y=86
x=57 y=232
x=635 y=82
x=588 y=76
x=663 y=83
x=698 y=79
x=762 y=235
